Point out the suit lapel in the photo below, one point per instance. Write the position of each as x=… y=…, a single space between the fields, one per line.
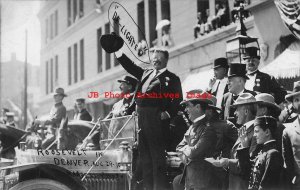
x=146 y=76
x=297 y=126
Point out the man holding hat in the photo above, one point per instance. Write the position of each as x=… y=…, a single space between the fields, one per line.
x=237 y=79
x=218 y=85
x=263 y=172
x=199 y=142
x=259 y=81
x=154 y=114
x=291 y=140
x=82 y=114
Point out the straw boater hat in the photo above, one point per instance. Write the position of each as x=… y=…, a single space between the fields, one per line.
x=266 y=100
x=244 y=99
x=295 y=92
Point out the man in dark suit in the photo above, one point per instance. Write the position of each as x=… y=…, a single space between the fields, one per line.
x=158 y=96
x=198 y=143
x=82 y=114
x=291 y=141
x=237 y=79
x=218 y=85
x=259 y=81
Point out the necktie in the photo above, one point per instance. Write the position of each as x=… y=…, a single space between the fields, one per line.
x=235 y=97
x=148 y=81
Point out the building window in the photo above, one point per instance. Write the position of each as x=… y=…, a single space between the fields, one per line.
x=81 y=8
x=69 y=12
x=47 y=77
x=107 y=55
x=99 y=50
x=51 y=26
x=56 y=70
x=51 y=75
x=56 y=23
x=152 y=22
x=74 y=10
x=47 y=28
x=141 y=20
x=165 y=9
x=75 y=63
x=81 y=59
x=69 y=66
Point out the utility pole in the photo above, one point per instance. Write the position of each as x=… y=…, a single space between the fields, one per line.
x=0 y=53
x=25 y=82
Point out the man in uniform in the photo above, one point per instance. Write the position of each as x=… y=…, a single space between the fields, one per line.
x=258 y=81
x=57 y=113
x=154 y=111
x=82 y=114
x=237 y=78
x=199 y=142
x=218 y=86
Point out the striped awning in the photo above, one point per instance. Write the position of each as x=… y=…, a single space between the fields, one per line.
x=287 y=64
x=289 y=11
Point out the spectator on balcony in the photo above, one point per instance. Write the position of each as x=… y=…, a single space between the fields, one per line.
x=166 y=36
x=199 y=28
x=208 y=25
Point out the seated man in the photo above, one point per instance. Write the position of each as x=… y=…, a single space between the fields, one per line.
x=82 y=114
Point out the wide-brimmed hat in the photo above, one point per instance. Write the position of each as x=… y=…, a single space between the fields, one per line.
x=296 y=91
x=201 y=97
x=251 y=52
x=237 y=70
x=129 y=80
x=80 y=100
x=60 y=91
x=243 y=99
x=221 y=62
x=267 y=100
x=111 y=42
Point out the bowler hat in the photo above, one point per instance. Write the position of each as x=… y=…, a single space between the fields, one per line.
x=60 y=91
x=111 y=42
x=129 y=80
x=296 y=91
x=251 y=52
x=221 y=62
x=237 y=70
x=267 y=100
x=198 y=95
x=243 y=99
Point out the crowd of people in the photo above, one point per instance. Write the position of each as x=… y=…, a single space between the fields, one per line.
x=241 y=132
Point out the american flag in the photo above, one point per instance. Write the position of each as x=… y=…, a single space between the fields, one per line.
x=289 y=11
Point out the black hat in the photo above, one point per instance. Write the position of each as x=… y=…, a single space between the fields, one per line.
x=80 y=100
x=251 y=52
x=237 y=70
x=129 y=80
x=111 y=42
x=221 y=62
x=60 y=91
x=266 y=121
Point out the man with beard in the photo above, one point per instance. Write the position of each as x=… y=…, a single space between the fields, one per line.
x=259 y=81
x=291 y=141
x=237 y=78
x=154 y=114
